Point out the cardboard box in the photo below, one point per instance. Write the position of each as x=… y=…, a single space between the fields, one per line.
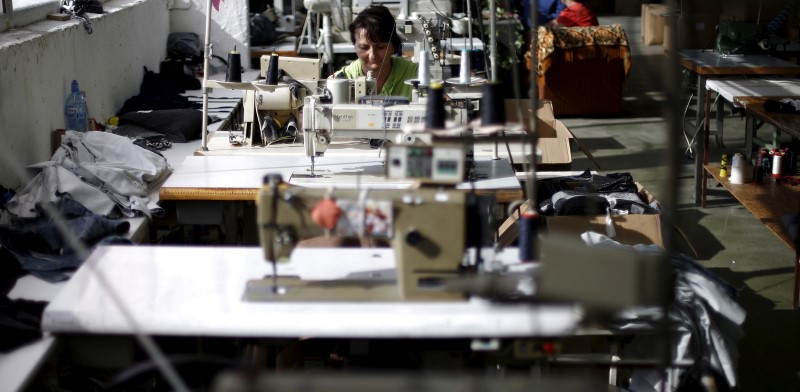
x=554 y=136
x=653 y=23
x=694 y=31
x=630 y=229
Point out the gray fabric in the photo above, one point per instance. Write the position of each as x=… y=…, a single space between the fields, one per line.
x=106 y=173
x=580 y=203
x=707 y=321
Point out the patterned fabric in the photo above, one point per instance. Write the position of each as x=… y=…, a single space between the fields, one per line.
x=577 y=43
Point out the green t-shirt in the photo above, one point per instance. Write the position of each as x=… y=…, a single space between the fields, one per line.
x=402 y=70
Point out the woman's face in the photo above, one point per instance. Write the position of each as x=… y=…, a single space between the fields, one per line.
x=371 y=54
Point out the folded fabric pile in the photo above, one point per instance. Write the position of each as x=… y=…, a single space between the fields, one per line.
x=106 y=173
x=175 y=125
x=588 y=194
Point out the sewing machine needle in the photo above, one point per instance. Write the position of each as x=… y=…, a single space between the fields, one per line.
x=274 y=277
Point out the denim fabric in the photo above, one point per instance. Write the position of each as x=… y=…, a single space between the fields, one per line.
x=41 y=249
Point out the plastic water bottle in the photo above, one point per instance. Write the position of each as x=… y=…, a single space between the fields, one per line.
x=75 y=111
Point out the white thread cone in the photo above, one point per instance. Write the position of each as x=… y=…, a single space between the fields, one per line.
x=424 y=70
x=464 y=75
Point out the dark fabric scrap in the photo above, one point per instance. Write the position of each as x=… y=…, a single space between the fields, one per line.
x=20 y=322
x=162 y=92
x=10 y=271
x=786 y=105
x=178 y=125
x=580 y=203
x=40 y=248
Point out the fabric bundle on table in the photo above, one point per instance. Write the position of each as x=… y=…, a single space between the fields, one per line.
x=176 y=125
x=106 y=173
x=592 y=194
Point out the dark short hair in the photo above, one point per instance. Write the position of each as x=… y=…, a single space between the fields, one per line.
x=379 y=25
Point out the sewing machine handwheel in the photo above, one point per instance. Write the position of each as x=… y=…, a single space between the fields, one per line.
x=413 y=238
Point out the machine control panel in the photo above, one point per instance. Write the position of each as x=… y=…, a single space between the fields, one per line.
x=439 y=164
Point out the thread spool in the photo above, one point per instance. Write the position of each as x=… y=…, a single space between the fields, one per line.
x=234 y=73
x=493 y=110
x=723 y=166
x=528 y=235
x=465 y=73
x=777 y=164
x=476 y=60
x=424 y=69
x=434 y=109
x=737 y=169
x=340 y=90
x=272 y=70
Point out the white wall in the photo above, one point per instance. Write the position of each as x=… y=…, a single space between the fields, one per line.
x=39 y=61
x=230 y=26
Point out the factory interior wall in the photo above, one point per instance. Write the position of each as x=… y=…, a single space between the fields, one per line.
x=230 y=25
x=39 y=61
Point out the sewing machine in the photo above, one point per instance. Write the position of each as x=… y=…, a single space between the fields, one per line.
x=270 y=112
x=738 y=38
x=323 y=121
x=428 y=229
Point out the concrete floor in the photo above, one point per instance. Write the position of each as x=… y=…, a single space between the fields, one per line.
x=724 y=237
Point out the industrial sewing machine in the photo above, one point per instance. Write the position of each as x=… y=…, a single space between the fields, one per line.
x=270 y=112
x=739 y=38
x=392 y=119
x=429 y=230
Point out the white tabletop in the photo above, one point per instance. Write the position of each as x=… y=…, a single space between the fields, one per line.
x=746 y=64
x=247 y=172
x=193 y=291
x=753 y=87
x=554 y=150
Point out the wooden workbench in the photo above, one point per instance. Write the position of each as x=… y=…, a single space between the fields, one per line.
x=768 y=202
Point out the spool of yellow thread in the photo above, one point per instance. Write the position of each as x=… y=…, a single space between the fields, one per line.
x=723 y=166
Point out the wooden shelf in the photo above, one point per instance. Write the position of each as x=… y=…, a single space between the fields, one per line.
x=768 y=202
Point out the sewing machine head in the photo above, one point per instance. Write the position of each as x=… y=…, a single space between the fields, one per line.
x=269 y=112
x=739 y=38
x=427 y=228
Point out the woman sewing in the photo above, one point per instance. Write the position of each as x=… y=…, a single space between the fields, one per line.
x=373 y=34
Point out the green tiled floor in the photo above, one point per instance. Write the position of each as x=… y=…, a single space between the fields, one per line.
x=725 y=236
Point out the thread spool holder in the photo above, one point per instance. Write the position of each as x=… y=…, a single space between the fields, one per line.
x=255 y=86
x=415 y=82
x=473 y=81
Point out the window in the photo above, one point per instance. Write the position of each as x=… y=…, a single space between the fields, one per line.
x=18 y=13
